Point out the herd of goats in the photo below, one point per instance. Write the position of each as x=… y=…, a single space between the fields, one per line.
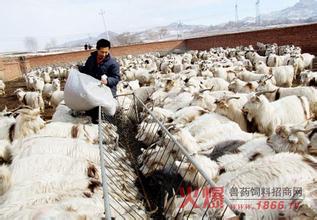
x=246 y=116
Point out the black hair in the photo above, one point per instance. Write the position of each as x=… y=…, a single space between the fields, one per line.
x=103 y=43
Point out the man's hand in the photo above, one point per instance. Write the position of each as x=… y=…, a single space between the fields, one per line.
x=104 y=81
x=79 y=67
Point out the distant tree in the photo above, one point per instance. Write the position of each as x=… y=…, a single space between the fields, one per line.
x=31 y=44
x=127 y=38
x=163 y=32
x=152 y=35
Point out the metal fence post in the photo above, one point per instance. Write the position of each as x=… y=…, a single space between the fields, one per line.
x=103 y=171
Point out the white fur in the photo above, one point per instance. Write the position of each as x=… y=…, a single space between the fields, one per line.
x=56 y=98
x=267 y=116
x=2 y=87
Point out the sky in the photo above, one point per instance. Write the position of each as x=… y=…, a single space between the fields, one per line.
x=65 y=20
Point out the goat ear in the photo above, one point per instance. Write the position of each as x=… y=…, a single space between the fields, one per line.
x=170 y=120
x=257 y=98
x=160 y=133
x=278 y=129
x=249 y=85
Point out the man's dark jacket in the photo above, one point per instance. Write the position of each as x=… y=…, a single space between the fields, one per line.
x=108 y=66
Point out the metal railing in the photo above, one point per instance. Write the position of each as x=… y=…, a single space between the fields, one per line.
x=121 y=195
x=185 y=189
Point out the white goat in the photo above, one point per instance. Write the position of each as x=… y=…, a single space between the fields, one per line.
x=32 y=99
x=189 y=172
x=70 y=130
x=5 y=179
x=308 y=78
x=56 y=98
x=268 y=116
x=38 y=84
x=274 y=93
x=27 y=123
x=50 y=88
x=283 y=75
x=2 y=88
x=280 y=170
x=64 y=114
x=232 y=108
x=240 y=86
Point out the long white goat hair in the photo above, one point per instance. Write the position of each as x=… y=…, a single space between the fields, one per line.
x=74 y=148
x=40 y=164
x=280 y=170
x=28 y=122
x=70 y=130
x=63 y=114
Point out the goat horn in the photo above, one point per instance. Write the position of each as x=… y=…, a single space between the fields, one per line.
x=153 y=211
x=21 y=107
x=298 y=130
x=32 y=112
x=165 y=200
x=270 y=77
x=303 y=130
x=264 y=92
x=310 y=129
x=231 y=71
x=23 y=111
x=233 y=97
x=17 y=90
x=203 y=90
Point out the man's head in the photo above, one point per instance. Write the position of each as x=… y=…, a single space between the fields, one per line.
x=103 y=47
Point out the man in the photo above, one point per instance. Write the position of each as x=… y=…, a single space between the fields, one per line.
x=103 y=67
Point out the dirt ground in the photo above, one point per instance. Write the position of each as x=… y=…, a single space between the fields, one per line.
x=10 y=100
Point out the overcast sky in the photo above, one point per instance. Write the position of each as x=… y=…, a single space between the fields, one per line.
x=64 y=20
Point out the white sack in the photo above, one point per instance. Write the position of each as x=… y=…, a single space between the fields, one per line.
x=83 y=92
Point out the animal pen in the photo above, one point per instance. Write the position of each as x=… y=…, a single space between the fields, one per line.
x=170 y=197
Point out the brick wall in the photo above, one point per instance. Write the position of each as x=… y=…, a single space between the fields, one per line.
x=149 y=47
x=304 y=36
x=12 y=69
x=1 y=69
x=38 y=61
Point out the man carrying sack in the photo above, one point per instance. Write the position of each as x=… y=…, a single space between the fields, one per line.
x=103 y=67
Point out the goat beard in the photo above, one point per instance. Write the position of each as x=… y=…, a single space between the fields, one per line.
x=249 y=117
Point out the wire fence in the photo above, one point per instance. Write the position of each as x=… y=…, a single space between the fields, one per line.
x=184 y=190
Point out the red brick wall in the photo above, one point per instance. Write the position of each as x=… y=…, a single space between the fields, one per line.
x=12 y=69
x=1 y=69
x=149 y=47
x=37 y=61
x=304 y=36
